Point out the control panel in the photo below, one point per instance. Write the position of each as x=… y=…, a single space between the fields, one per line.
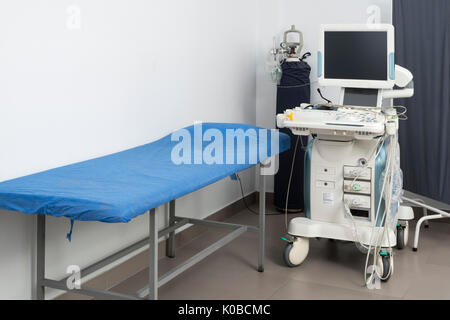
x=362 y=124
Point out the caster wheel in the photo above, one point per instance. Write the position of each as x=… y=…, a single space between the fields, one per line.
x=385 y=264
x=296 y=252
x=402 y=235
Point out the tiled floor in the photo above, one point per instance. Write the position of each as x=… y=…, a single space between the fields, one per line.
x=333 y=270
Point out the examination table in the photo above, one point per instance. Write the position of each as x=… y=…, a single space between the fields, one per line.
x=119 y=187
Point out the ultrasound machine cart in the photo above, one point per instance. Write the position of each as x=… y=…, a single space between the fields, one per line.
x=352 y=191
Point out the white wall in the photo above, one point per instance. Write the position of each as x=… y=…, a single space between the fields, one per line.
x=276 y=16
x=135 y=71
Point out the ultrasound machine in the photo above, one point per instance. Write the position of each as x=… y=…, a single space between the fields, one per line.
x=353 y=181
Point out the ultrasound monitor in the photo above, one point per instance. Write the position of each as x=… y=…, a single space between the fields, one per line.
x=357 y=56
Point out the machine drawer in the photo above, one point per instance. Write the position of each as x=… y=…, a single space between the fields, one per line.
x=361 y=173
x=360 y=187
x=357 y=201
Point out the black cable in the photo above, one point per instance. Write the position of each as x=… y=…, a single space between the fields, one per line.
x=285 y=212
x=290 y=180
x=320 y=93
x=248 y=207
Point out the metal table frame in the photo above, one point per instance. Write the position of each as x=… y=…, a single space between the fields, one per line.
x=151 y=290
x=439 y=214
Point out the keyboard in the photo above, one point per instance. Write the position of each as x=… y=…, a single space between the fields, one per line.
x=333 y=120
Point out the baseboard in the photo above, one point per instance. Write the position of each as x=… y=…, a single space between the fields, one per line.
x=269 y=197
x=139 y=262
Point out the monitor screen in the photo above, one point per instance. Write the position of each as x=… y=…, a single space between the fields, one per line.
x=356 y=55
x=360 y=97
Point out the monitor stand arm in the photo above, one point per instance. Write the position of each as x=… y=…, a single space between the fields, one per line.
x=403 y=80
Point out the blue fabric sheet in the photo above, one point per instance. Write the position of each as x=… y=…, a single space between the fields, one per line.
x=121 y=186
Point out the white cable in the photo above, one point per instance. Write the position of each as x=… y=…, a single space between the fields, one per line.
x=375 y=226
x=374 y=154
x=377 y=148
x=355 y=227
x=389 y=176
x=388 y=200
x=383 y=218
x=371 y=238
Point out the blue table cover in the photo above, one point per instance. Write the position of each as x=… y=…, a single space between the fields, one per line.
x=121 y=186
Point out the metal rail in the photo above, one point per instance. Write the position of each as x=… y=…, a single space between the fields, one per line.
x=194 y=260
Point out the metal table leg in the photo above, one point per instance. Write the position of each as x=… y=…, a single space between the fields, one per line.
x=153 y=265
x=262 y=222
x=170 y=244
x=419 y=224
x=39 y=293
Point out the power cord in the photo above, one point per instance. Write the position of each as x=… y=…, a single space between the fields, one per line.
x=288 y=190
x=320 y=93
x=246 y=204
x=290 y=180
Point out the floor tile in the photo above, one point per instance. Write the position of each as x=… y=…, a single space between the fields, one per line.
x=332 y=270
x=299 y=290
